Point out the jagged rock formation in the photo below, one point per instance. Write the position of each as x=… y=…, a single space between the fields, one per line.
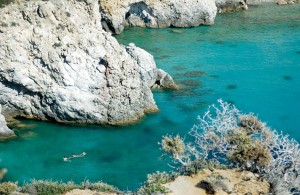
x=156 y=13
x=57 y=63
x=5 y=132
x=231 y=5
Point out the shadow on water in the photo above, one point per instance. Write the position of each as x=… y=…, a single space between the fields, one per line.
x=287 y=78
x=193 y=106
x=231 y=87
x=195 y=73
x=191 y=83
x=214 y=76
x=179 y=68
x=220 y=42
x=162 y=57
x=111 y=157
x=155 y=50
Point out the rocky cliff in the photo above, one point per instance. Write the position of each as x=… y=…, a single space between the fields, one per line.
x=156 y=13
x=57 y=63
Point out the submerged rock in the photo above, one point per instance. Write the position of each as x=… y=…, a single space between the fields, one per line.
x=156 y=13
x=57 y=63
x=5 y=132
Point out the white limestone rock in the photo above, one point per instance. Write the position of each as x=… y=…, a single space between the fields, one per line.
x=155 y=78
x=57 y=63
x=156 y=13
x=5 y=132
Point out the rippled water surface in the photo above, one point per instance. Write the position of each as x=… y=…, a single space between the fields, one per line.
x=251 y=59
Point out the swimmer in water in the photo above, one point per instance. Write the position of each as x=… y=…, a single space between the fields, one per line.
x=65 y=158
x=78 y=155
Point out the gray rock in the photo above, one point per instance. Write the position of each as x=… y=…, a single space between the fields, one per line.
x=278 y=2
x=164 y=80
x=5 y=132
x=231 y=5
x=156 y=13
x=155 y=78
x=57 y=63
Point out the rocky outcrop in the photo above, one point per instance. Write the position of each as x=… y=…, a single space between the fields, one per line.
x=278 y=2
x=57 y=63
x=156 y=13
x=219 y=182
x=5 y=132
x=155 y=78
x=287 y=2
x=231 y=5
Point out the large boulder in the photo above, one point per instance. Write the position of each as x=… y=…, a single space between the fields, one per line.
x=5 y=132
x=156 y=13
x=155 y=78
x=57 y=63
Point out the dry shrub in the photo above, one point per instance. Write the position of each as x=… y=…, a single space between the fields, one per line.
x=226 y=136
x=250 y=124
x=249 y=153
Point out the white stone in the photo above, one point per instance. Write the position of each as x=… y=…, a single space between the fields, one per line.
x=58 y=63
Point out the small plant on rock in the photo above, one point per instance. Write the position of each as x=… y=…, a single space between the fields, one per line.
x=99 y=187
x=175 y=146
x=48 y=187
x=154 y=182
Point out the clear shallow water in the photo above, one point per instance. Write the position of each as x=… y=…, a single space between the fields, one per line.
x=249 y=58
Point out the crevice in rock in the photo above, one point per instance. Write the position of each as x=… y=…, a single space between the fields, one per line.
x=107 y=26
x=39 y=12
x=18 y=87
x=141 y=10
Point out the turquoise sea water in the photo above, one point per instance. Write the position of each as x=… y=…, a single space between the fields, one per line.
x=251 y=59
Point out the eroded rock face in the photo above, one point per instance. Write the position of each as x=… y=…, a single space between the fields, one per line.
x=231 y=5
x=5 y=132
x=57 y=63
x=156 y=13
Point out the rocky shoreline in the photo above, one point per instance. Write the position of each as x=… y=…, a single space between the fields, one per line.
x=57 y=63
x=117 y=14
